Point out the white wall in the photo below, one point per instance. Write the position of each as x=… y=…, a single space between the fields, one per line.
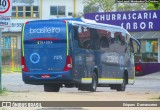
x=68 y=3
x=17 y=23
x=79 y=6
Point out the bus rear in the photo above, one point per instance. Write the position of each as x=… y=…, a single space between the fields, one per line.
x=45 y=58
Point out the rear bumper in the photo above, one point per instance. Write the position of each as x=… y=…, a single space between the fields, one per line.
x=55 y=77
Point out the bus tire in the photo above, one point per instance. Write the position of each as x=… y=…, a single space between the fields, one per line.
x=122 y=87
x=113 y=86
x=83 y=87
x=93 y=85
x=90 y=87
x=51 y=88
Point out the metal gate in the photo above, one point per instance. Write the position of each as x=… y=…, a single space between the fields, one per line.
x=11 y=60
x=11 y=55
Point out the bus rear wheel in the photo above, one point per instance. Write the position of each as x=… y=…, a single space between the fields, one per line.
x=90 y=87
x=122 y=87
x=93 y=86
x=51 y=88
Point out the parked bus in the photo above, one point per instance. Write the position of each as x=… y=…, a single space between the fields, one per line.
x=77 y=53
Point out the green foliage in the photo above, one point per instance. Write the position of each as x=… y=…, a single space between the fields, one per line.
x=95 y=5
x=153 y=6
x=89 y=9
x=3 y=91
x=130 y=6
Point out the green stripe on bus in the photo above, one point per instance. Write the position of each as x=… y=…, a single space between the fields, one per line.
x=67 y=36
x=113 y=79
x=110 y=79
x=23 y=39
x=87 y=79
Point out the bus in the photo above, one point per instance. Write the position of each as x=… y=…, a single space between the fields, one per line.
x=77 y=53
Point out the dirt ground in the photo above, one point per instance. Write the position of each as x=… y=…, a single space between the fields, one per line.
x=145 y=89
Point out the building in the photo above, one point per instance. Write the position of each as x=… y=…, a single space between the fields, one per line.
x=26 y=10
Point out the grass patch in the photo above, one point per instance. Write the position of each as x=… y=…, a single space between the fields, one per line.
x=156 y=98
x=4 y=90
x=9 y=69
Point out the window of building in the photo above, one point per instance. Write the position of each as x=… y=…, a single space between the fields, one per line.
x=61 y=10
x=149 y=50
x=57 y=10
x=53 y=10
x=28 y=11
x=13 y=11
x=20 y=11
x=70 y=13
x=25 y=11
x=35 y=13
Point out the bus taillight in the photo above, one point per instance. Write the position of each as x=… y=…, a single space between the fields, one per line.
x=68 y=65
x=24 y=67
x=138 y=68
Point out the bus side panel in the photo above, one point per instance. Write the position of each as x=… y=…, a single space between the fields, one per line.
x=84 y=61
x=112 y=57
x=83 y=65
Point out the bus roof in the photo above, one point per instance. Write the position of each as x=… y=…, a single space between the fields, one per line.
x=94 y=24
x=90 y=24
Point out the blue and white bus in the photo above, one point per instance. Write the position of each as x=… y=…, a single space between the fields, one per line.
x=77 y=53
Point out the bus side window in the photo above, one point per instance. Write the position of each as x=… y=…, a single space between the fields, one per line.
x=95 y=39
x=104 y=39
x=75 y=32
x=119 y=43
x=131 y=46
x=76 y=36
x=104 y=42
x=84 y=38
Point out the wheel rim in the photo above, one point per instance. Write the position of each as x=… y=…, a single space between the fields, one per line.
x=124 y=83
x=94 y=83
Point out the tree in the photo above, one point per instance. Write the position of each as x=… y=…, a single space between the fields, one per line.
x=130 y=6
x=153 y=6
x=101 y=5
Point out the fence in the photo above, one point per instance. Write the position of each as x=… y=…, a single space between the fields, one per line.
x=11 y=60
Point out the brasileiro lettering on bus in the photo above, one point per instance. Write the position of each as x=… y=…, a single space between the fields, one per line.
x=129 y=16
x=44 y=30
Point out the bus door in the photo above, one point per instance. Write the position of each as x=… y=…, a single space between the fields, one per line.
x=130 y=65
x=84 y=57
x=112 y=47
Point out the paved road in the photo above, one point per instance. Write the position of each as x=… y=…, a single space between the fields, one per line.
x=146 y=88
x=13 y=82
